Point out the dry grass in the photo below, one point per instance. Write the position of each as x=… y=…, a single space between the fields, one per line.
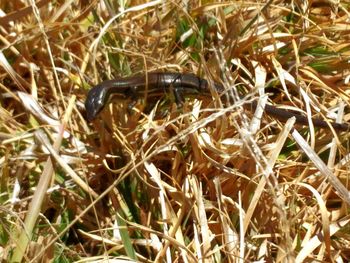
x=207 y=182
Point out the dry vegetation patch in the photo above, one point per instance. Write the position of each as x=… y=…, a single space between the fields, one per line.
x=153 y=180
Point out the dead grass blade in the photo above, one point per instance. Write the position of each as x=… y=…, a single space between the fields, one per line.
x=38 y=198
x=20 y=14
x=45 y=142
x=324 y=214
x=261 y=186
x=316 y=160
x=314 y=242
